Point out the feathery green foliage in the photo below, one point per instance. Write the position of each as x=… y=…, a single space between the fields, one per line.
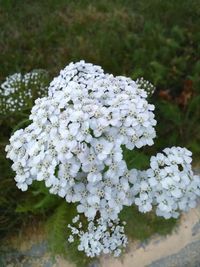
x=57 y=235
x=142 y=226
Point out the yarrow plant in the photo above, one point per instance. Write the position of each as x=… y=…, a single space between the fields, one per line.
x=74 y=144
x=18 y=91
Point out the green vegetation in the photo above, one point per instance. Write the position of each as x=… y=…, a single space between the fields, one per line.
x=159 y=40
x=142 y=226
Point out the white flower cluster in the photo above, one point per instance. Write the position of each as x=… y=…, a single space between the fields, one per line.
x=80 y=72
x=146 y=85
x=18 y=91
x=101 y=237
x=74 y=144
x=170 y=184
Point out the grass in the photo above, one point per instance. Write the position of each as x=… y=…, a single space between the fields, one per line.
x=122 y=36
x=159 y=40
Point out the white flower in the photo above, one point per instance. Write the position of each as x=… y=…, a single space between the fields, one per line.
x=75 y=145
x=172 y=186
x=102 y=148
x=100 y=237
x=18 y=91
x=146 y=85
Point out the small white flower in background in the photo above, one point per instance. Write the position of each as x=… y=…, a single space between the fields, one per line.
x=19 y=91
x=74 y=144
x=146 y=85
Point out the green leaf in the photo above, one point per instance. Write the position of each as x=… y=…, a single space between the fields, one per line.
x=135 y=159
x=22 y=124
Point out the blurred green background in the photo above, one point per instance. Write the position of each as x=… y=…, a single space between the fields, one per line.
x=156 y=39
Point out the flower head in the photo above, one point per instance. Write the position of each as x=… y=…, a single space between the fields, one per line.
x=74 y=144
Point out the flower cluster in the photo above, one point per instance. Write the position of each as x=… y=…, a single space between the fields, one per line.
x=80 y=72
x=170 y=184
x=146 y=85
x=74 y=144
x=18 y=91
x=101 y=236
